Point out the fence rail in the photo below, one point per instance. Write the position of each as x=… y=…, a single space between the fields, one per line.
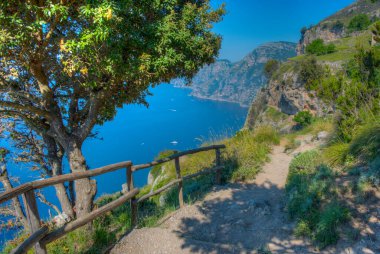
x=40 y=235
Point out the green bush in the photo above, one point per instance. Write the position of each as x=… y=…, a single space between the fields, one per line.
x=310 y=71
x=304 y=163
x=366 y=144
x=336 y=154
x=318 y=47
x=271 y=67
x=329 y=220
x=359 y=22
x=312 y=199
x=303 y=118
x=248 y=151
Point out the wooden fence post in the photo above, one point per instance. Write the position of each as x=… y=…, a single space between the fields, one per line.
x=218 y=176
x=33 y=218
x=180 y=184
x=133 y=201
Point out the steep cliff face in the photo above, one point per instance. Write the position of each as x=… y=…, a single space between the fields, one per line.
x=335 y=26
x=287 y=95
x=238 y=82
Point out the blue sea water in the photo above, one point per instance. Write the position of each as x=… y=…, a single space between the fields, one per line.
x=173 y=120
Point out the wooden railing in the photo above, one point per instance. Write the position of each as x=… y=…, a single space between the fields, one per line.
x=40 y=235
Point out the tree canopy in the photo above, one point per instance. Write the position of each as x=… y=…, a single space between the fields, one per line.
x=68 y=65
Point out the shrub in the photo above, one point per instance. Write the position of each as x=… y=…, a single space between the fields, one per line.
x=305 y=162
x=366 y=144
x=310 y=71
x=318 y=47
x=303 y=118
x=312 y=199
x=266 y=134
x=248 y=151
x=271 y=67
x=359 y=22
x=375 y=29
x=336 y=154
x=330 y=218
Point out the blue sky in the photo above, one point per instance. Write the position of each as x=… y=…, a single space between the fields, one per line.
x=249 y=23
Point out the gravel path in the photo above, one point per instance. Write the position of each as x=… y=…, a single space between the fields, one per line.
x=235 y=218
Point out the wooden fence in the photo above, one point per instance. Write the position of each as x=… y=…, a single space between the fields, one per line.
x=40 y=235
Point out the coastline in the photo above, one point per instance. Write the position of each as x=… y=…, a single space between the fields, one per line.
x=193 y=94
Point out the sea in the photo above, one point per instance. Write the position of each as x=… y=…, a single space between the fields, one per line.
x=174 y=120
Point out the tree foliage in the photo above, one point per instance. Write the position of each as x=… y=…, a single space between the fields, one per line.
x=310 y=71
x=354 y=91
x=376 y=32
x=359 y=22
x=271 y=67
x=318 y=47
x=68 y=65
x=303 y=118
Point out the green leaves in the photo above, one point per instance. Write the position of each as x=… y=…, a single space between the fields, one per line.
x=98 y=55
x=318 y=47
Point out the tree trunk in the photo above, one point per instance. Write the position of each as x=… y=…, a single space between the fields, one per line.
x=85 y=189
x=71 y=193
x=55 y=159
x=61 y=193
x=19 y=213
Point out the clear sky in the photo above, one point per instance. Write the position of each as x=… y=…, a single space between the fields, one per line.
x=249 y=23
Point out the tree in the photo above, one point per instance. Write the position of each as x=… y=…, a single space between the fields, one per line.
x=68 y=65
x=40 y=153
x=359 y=22
x=318 y=47
x=15 y=209
x=271 y=67
x=310 y=71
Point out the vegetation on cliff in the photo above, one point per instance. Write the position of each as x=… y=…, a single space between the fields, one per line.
x=325 y=187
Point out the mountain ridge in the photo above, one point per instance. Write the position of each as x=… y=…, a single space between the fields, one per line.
x=238 y=81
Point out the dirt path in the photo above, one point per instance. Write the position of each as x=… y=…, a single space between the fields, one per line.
x=235 y=218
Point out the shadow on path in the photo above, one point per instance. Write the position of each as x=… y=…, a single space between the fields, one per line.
x=241 y=217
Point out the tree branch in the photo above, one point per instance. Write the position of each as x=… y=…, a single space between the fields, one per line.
x=25 y=108
x=42 y=198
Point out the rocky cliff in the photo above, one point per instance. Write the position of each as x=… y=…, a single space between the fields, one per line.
x=335 y=26
x=238 y=82
x=286 y=94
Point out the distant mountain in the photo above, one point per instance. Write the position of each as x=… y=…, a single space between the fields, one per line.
x=238 y=82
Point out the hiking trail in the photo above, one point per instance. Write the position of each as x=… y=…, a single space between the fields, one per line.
x=235 y=218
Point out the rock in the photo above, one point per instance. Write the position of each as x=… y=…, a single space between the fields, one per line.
x=323 y=135
x=150 y=178
x=288 y=95
x=328 y=31
x=238 y=81
x=61 y=219
x=308 y=139
x=124 y=187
